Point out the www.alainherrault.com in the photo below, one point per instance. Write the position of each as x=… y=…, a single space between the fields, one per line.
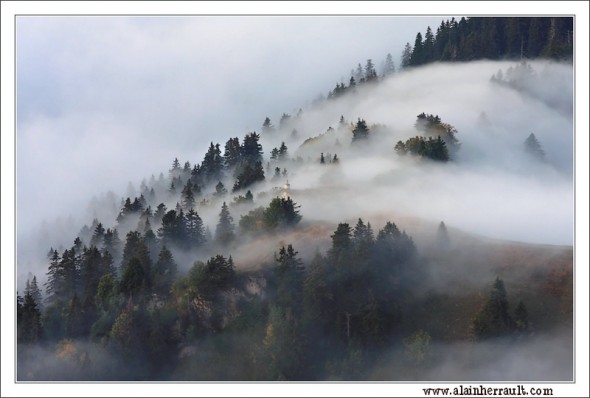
x=480 y=390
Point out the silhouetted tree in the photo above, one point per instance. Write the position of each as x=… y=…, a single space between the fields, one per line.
x=360 y=131
x=224 y=233
x=493 y=320
x=533 y=147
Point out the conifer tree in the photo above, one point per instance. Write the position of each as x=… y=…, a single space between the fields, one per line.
x=493 y=320
x=232 y=153
x=289 y=274
x=417 y=57
x=164 y=272
x=360 y=131
x=224 y=233
x=29 y=327
x=389 y=67
x=407 y=56
x=533 y=147
x=195 y=229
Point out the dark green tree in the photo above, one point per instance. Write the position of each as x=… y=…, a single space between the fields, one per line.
x=428 y=46
x=360 y=131
x=188 y=196
x=32 y=288
x=289 y=273
x=232 y=153
x=281 y=212
x=195 y=230
x=493 y=319
x=133 y=278
x=417 y=57
x=29 y=327
x=213 y=164
x=249 y=175
x=224 y=233
x=267 y=126
x=251 y=149
x=164 y=272
x=370 y=72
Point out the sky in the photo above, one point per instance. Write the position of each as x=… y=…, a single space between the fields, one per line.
x=101 y=101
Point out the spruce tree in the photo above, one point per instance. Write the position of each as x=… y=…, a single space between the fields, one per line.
x=224 y=233
x=493 y=319
x=533 y=148
x=360 y=131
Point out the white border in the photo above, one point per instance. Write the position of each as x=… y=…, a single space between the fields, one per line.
x=10 y=9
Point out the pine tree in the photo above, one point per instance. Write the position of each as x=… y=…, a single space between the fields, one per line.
x=195 y=229
x=224 y=233
x=370 y=73
x=267 y=126
x=188 y=197
x=428 y=47
x=164 y=272
x=360 y=132
x=341 y=244
x=417 y=57
x=283 y=151
x=29 y=327
x=220 y=190
x=213 y=164
x=172 y=230
x=407 y=56
x=232 y=153
x=289 y=273
x=98 y=235
x=533 y=148
x=133 y=278
x=35 y=292
x=493 y=320
x=251 y=148
x=389 y=66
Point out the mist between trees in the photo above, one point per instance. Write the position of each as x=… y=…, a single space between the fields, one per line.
x=314 y=249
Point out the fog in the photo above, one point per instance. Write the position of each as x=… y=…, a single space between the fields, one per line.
x=103 y=110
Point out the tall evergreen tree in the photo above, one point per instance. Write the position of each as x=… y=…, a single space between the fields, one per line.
x=232 y=153
x=213 y=164
x=360 y=131
x=289 y=273
x=370 y=72
x=29 y=327
x=164 y=272
x=389 y=66
x=224 y=233
x=188 y=197
x=251 y=150
x=428 y=46
x=533 y=148
x=32 y=288
x=407 y=56
x=493 y=320
x=417 y=57
x=195 y=229
x=267 y=126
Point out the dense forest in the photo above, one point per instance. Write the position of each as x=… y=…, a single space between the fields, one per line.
x=156 y=293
